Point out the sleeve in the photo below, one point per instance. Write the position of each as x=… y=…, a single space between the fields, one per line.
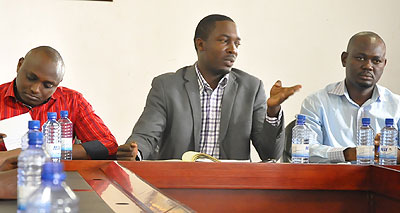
x=96 y=138
x=319 y=153
x=267 y=137
x=150 y=127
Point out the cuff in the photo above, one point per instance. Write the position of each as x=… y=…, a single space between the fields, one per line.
x=96 y=150
x=139 y=156
x=274 y=121
x=336 y=155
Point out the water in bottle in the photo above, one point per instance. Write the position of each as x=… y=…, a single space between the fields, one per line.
x=300 y=141
x=365 y=143
x=32 y=126
x=388 y=144
x=52 y=136
x=54 y=195
x=30 y=163
x=66 y=136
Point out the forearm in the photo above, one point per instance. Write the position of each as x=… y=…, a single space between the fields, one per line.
x=79 y=153
x=8 y=181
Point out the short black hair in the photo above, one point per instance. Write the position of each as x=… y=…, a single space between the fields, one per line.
x=206 y=25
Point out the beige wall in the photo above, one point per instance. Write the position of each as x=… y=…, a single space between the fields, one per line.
x=113 y=50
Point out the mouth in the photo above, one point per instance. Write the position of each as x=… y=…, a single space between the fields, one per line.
x=229 y=60
x=32 y=97
x=366 y=76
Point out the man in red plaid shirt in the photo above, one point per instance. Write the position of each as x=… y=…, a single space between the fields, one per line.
x=35 y=91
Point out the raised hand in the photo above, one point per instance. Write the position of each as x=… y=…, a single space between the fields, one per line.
x=278 y=95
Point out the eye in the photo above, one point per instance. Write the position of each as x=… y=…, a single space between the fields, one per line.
x=360 y=58
x=48 y=86
x=376 y=61
x=237 y=43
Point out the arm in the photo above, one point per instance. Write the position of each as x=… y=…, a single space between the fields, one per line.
x=320 y=153
x=8 y=181
x=149 y=128
x=97 y=140
x=267 y=137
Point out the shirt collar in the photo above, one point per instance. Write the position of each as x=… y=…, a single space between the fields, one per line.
x=204 y=84
x=340 y=89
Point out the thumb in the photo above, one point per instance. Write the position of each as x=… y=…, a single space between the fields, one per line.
x=278 y=83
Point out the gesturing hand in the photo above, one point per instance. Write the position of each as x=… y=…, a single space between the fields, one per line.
x=278 y=95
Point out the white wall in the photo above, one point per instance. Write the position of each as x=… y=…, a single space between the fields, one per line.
x=113 y=50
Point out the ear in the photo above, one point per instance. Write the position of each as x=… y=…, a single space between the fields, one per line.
x=200 y=44
x=20 y=61
x=343 y=58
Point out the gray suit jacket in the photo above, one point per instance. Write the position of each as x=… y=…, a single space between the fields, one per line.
x=171 y=121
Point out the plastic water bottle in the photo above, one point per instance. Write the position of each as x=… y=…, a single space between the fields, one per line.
x=388 y=144
x=300 y=141
x=66 y=136
x=33 y=126
x=30 y=163
x=54 y=195
x=365 y=143
x=52 y=136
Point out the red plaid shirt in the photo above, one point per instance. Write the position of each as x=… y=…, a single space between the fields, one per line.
x=96 y=138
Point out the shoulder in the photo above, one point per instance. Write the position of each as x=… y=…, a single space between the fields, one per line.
x=244 y=76
x=388 y=95
x=67 y=92
x=174 y=76
x=325 y=93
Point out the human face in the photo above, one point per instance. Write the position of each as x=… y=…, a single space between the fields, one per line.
x=218 y=53
x=364 y=62
x=37 y=79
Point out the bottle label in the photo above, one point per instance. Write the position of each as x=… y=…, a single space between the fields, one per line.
x=54 y=150
x=388 y=152
x=66 y=144
x=365 y=152
x=300 y=150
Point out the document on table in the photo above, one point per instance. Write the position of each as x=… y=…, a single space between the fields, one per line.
x=14 y=127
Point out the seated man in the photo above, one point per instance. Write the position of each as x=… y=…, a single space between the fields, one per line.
x=35 y=91
x=210 y=107
x=335 y=112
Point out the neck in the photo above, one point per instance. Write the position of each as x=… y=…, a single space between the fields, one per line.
x=359 y=95
x=211 y=76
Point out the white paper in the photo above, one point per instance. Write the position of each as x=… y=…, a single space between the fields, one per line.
x=14 y=127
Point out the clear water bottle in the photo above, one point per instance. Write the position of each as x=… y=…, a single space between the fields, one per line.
x=33 y=126
x=66 y=136
x=52 y=137
x=365 y=143
x=54 y=195
x=30 y=163
x=300 y=141
x=388 y=144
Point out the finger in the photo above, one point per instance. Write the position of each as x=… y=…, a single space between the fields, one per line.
x=296 y=88
x=278 y=83
x=125 y=154
x=127 y=158
x=125 y=148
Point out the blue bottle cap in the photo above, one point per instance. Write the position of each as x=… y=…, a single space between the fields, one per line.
x=64 y=114
x=53 y=172
x=34 y=124
x=389 y=121
x=301 y=117
x=365 y=121
x=52 y=115
x=35 y=138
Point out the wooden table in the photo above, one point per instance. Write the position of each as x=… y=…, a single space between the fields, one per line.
x=251 y=187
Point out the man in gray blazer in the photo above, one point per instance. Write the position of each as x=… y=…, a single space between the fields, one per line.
x=210 y=107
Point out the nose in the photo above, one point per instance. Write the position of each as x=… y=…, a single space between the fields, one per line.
x=368 y=65
x=35 y=88
x=232 y=48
